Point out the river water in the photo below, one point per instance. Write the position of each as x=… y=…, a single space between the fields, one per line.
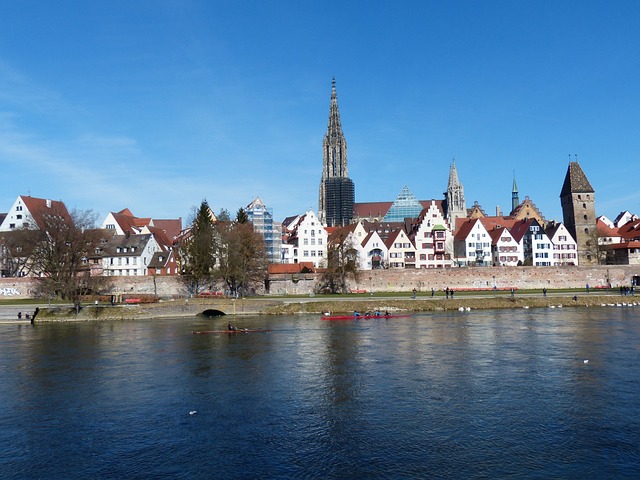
x=549 y=393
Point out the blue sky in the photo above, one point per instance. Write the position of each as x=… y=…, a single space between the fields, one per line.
x=155 y=105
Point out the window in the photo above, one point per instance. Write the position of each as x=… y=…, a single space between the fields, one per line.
x=305 y=241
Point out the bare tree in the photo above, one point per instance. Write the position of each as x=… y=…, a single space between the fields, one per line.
x=341 y=263
x=594 y=248
x=242 y=260
x=61 y=247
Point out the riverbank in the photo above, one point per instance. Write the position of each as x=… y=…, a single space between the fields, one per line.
x=311 y=305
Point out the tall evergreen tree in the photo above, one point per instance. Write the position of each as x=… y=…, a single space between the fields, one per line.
x=198 y=252
x=241 y=216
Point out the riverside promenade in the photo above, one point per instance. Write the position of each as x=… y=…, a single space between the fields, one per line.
x=345 y=304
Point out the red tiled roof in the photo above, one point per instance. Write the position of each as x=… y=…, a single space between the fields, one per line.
x=39 y=207
x=605 y=230
x=274 y=268
x=630 y=231
x=172 y=227
x=464 y=228
x=624 y=246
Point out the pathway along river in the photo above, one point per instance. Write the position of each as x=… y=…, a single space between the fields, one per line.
x=548 y=393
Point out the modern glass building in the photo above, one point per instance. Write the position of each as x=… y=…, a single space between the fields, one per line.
x=406 y=205
x=262 y=219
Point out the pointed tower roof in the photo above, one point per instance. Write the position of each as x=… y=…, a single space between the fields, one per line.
x=575 y=181
x=453 y=175
x=515 y=187
x=334 y=125
x=406 y=205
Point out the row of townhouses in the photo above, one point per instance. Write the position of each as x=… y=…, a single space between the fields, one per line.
x=429 y=242
x=134 y=246
x=129 y=246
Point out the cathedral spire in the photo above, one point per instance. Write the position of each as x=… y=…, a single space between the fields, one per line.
x=335 y=203
x=456 y=207
x=453 y=175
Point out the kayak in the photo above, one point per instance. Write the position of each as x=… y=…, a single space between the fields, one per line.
x=240 y=330
x=361 y=317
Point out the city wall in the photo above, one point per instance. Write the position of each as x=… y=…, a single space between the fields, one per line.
x=381 y=281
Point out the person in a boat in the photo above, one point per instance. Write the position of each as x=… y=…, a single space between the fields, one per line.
x=230 y=327
x=387 y=314
x=356 y=314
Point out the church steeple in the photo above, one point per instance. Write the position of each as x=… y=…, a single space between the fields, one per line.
x=455 y=205
x=334 y=145
x=515 y=201
x=335 y=202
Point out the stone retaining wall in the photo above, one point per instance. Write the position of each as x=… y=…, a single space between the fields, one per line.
x=382 y=281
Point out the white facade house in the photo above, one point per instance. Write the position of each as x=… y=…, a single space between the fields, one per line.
x=306 y=240
x=127 y=255
x=565 y=248
x=373 y=252
x=28 y=212
x=536 y=245
x=472 y=244
x=433 y=239
x=505 y=250
x=402 y=252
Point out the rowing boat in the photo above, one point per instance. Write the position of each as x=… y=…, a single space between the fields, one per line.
x=240 y=330
x=361 y=317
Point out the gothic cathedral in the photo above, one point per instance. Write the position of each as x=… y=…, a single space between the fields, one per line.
x=337 y=191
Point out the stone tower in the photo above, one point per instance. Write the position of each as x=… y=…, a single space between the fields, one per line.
x=455 y=206
x=515 y=200
x=337 y=191
x=579 y=211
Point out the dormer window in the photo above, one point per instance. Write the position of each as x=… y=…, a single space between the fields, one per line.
x=133 y=249
x=118 y=249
